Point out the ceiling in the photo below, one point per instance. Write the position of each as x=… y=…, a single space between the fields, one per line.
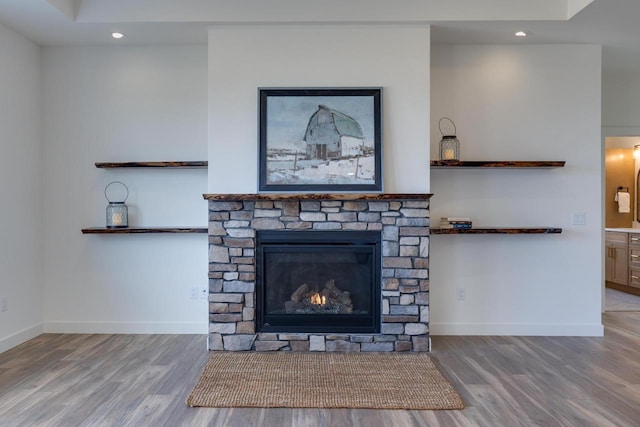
x=611 y=23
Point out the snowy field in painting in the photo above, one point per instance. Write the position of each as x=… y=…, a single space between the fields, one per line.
x=353 y=170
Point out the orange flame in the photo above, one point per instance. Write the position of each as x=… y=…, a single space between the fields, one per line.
x=317 y=299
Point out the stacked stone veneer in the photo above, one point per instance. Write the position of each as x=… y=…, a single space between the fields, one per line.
x=404 y=225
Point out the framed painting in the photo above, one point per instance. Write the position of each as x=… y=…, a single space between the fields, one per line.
x=320 y=140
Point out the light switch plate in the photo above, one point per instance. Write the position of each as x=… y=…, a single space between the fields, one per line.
x=579 y=218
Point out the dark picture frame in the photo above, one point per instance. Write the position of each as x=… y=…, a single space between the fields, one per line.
x=320 y=140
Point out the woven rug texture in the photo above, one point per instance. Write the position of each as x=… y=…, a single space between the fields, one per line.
x=323 y=380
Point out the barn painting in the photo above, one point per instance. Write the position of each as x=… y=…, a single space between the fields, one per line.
x=320 y=139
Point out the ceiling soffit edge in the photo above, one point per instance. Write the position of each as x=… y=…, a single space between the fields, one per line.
x=257 y=11
x=575 y=6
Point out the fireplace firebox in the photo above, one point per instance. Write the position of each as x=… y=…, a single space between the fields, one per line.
x=318 y=281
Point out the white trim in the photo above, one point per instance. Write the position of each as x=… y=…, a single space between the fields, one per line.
x=518 y=329
x=20 y=337
x=126 y=327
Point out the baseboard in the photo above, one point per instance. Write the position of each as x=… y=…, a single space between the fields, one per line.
x=126 y=327
x=518 y=329
x=623 y=288
x=583 y=329
x=20 y=337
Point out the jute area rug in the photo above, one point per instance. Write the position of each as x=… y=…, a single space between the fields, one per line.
x=323 y=380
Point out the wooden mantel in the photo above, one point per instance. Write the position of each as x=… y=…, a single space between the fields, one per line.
x=314 y=196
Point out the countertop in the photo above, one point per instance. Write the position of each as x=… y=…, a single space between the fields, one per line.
x=624 y=230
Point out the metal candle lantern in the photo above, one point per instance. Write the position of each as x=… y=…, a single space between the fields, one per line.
x=117 y=211
x=449 y=144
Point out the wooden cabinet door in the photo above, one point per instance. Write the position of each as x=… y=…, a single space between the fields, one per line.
x=617 y=257
x=608 y=262
x=620 y=268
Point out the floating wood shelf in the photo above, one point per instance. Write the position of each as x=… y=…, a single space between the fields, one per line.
x=498 y=230
x=144 y=230
x=442 y=164
x=188 y=164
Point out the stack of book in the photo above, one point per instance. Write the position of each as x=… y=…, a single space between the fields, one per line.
x=455 y=222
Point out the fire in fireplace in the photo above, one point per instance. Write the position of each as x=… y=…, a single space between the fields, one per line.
x=318 y=281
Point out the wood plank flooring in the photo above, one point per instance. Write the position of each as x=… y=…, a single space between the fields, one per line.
x=620 y=301
x=143 y=380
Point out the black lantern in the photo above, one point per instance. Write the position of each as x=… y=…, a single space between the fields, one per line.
x=117 y=211
x=449 y=144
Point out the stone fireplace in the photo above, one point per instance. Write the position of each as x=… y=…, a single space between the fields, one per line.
x=319 y=272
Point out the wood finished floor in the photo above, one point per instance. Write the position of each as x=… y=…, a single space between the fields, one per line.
x=620 y=301
x=143 y=380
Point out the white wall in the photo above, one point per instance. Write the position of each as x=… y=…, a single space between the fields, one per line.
x=124 y=104
x=243 y=58
x=621 y=102
x=519 y=103
x=150 y=103
x=20 y=189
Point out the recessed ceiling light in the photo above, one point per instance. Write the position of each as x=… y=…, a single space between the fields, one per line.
x=117 y=35
x=521 y=34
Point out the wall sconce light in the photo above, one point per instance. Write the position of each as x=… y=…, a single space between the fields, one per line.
x=449 y=144
x=117 y=211
x=636 y=151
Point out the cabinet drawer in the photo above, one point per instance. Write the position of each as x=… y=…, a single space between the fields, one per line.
x=634 y=278
x=634 y=256
x=619 y=237
x=634 y=239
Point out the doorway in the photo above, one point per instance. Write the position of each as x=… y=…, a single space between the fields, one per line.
x=621 y=191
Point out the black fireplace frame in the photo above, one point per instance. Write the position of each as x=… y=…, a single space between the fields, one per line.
x=277 y=240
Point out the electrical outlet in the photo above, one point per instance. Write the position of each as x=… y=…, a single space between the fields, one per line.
x=198 y=292
x=460 y=294
x=4 y=304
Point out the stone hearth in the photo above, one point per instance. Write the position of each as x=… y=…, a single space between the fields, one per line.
x=402 y=220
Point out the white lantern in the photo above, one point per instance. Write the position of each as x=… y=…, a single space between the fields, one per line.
x=449 y=144
x=117 y=211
